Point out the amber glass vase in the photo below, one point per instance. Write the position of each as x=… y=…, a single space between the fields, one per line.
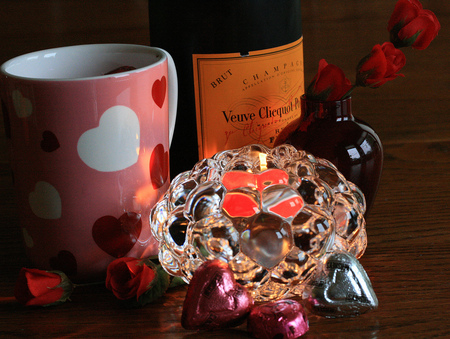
x=328 y=129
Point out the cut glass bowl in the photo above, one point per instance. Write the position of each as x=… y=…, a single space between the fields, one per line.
x=270 y=213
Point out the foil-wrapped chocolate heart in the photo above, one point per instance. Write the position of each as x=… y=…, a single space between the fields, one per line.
x=214 y=299
x=340 y=287
x=278 y=319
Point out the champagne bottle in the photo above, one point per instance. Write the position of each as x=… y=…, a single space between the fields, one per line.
x=240 y=70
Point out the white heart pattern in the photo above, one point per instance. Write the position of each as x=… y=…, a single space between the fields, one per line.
x=114 y=144
x=45 y=201
x=22 y=105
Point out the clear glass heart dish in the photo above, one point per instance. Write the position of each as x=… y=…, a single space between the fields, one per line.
x=272 y=214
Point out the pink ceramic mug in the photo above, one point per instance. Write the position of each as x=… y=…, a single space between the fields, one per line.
x=89 y=151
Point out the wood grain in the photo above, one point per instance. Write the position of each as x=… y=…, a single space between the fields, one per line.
x=408 y=256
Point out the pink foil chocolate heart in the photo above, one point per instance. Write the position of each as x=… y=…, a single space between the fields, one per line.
x=214 y=299
x=278 y=319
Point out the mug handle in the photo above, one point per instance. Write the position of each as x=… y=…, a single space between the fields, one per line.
x=173 y=94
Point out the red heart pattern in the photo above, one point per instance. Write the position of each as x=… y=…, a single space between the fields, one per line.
x=117 y=236
x=159 y=166
x=49 y=142
x=214 y=299
x=159 y=91
x=65 y=261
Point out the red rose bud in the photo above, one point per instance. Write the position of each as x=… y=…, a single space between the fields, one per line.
x=411 y=25
x=42 y=288
x=380 y=66
x=129 y=277
x=404 y=12
x=329 y=84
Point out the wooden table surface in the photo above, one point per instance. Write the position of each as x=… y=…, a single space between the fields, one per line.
x=408 y=254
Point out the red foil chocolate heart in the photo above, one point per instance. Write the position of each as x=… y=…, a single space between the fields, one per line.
x=214 y=299
x=278 y=319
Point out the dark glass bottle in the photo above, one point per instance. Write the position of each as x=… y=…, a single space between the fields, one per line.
x=328 y=129
x=187 y=28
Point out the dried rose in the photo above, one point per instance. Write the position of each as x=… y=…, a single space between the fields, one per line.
x=411 y=25
x=382 y=64
x=42 y=288
x=328 y=84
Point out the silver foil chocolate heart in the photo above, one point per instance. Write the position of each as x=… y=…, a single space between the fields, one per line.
x=340 y=287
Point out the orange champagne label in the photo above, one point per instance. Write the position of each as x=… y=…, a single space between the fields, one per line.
x=246 y=99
